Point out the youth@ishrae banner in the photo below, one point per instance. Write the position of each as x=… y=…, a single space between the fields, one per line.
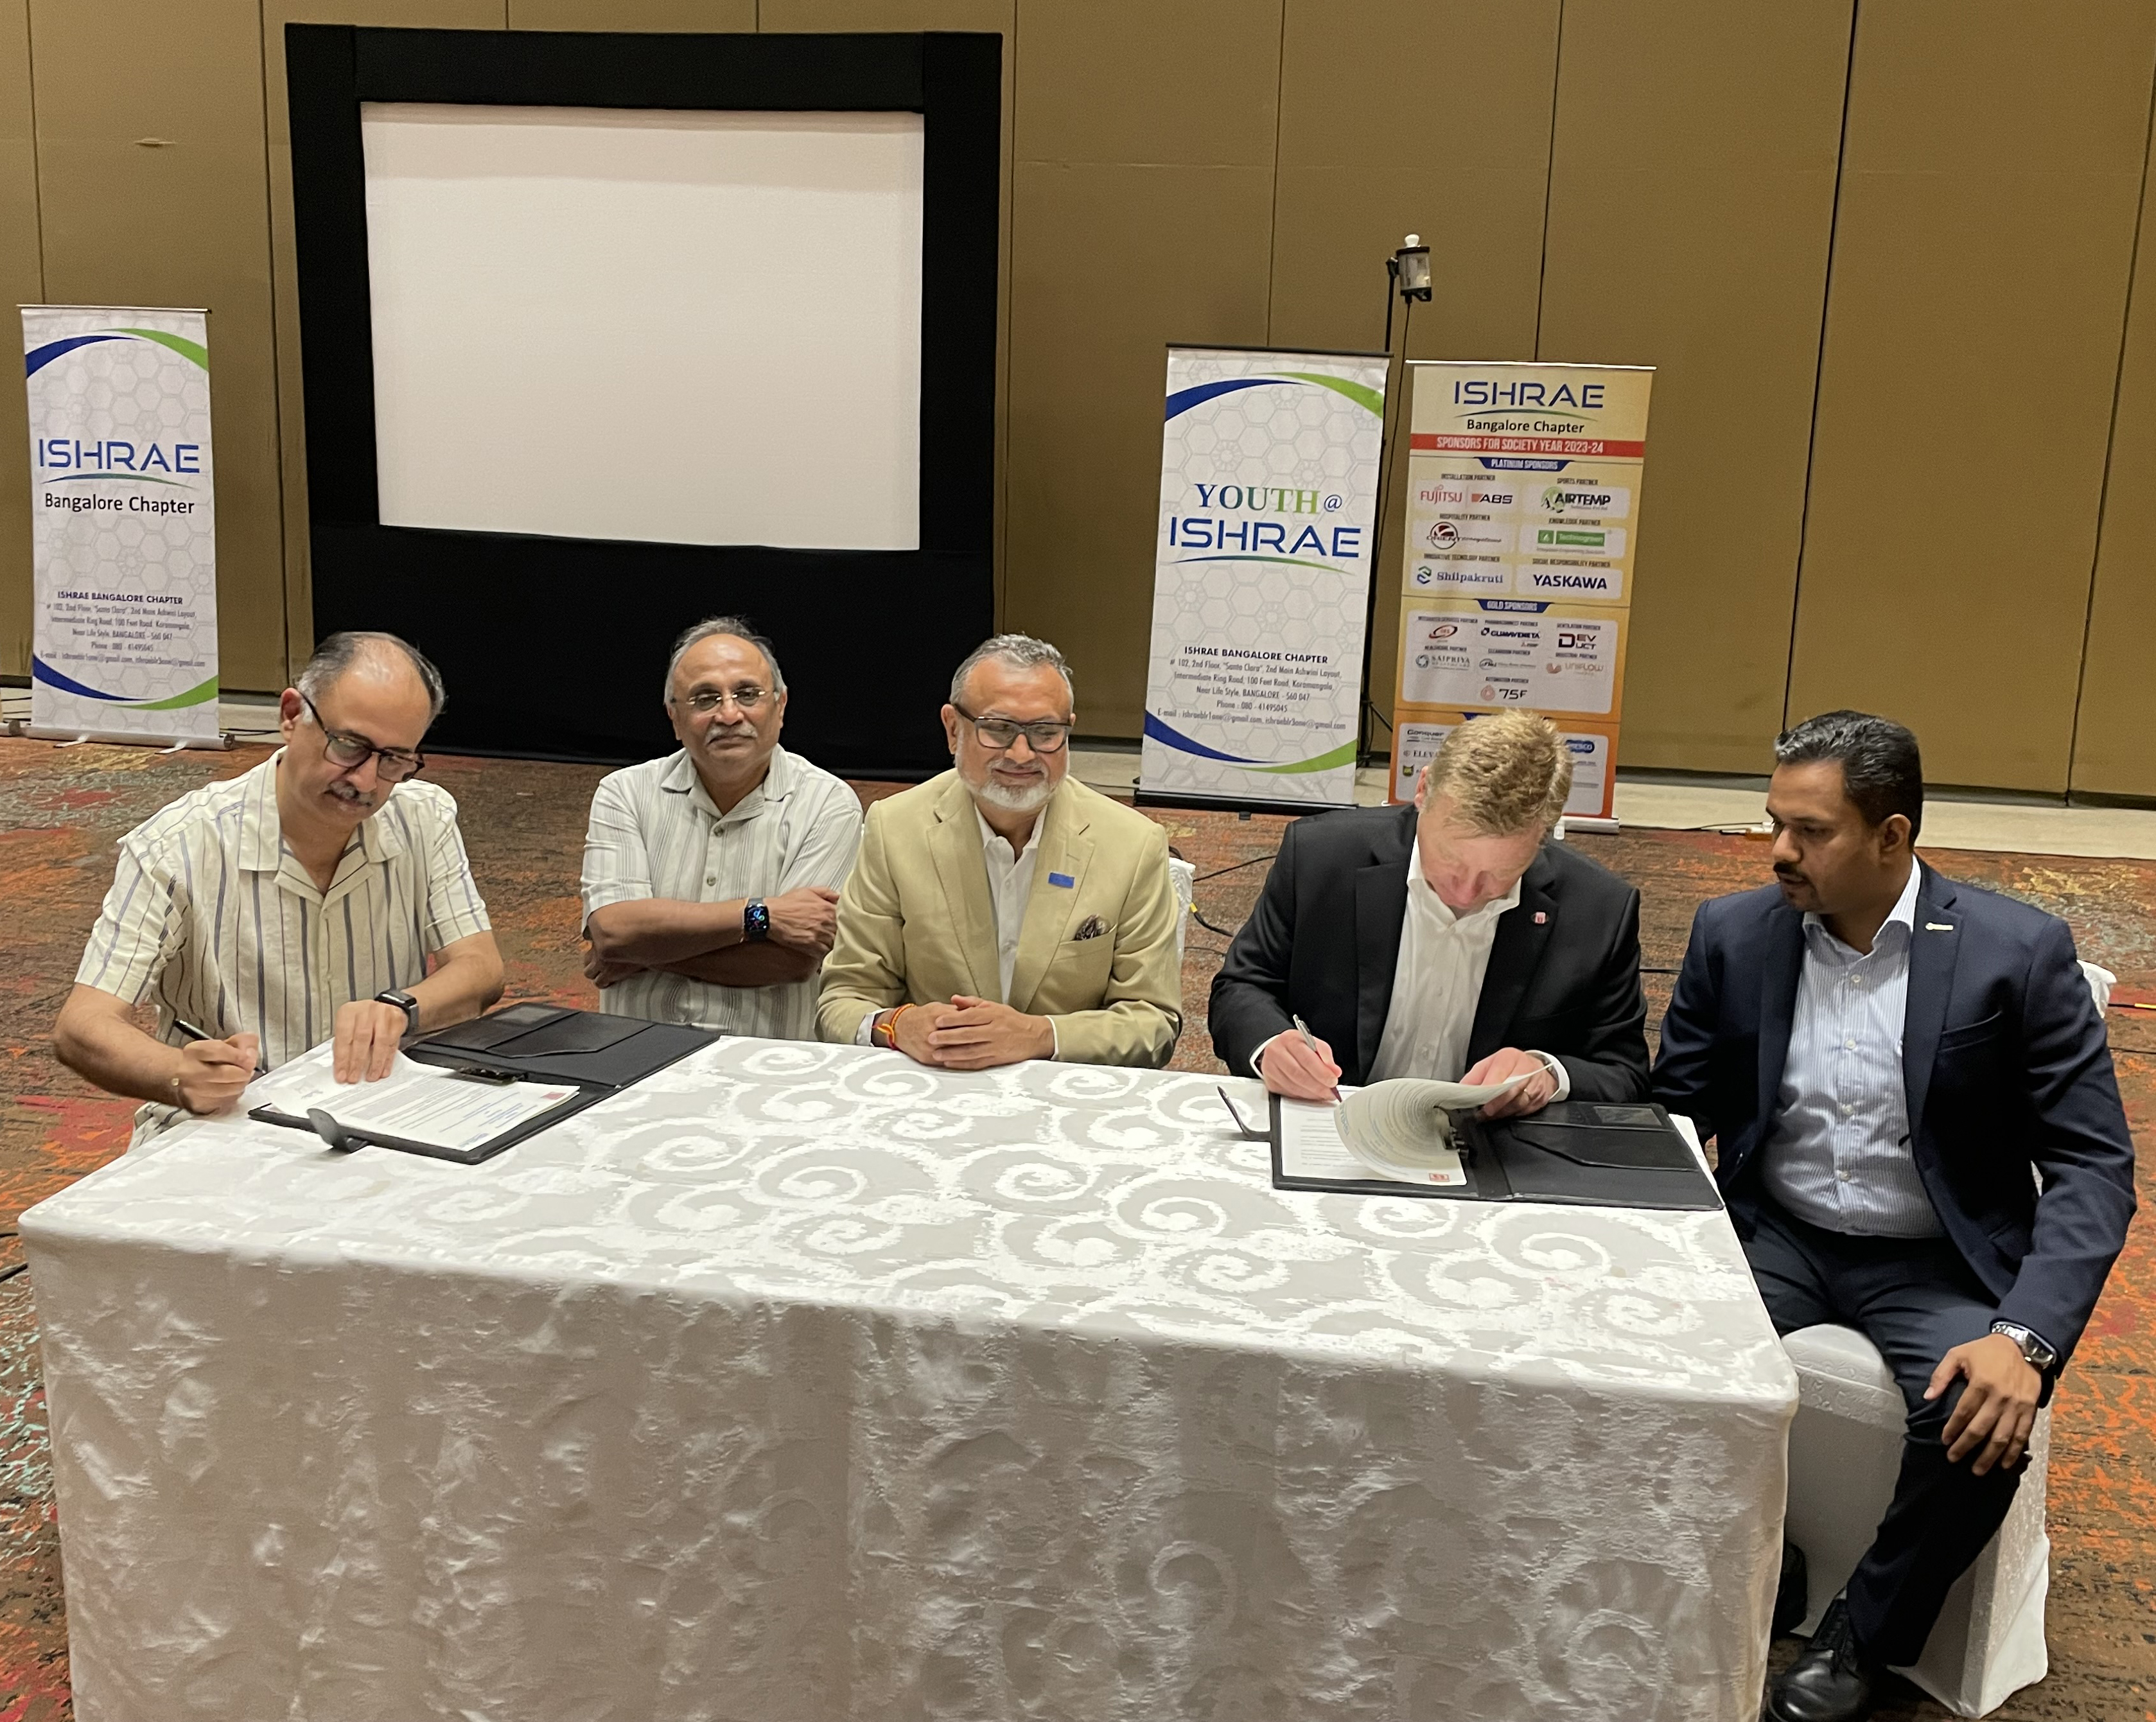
x=123 y=524
x=1268 y=504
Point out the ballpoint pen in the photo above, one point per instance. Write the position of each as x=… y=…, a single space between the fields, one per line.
x=1309 y=1040
x=192 y=1033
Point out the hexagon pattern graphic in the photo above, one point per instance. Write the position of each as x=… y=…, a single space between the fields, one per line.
x=124 y=538
x=1258 y=599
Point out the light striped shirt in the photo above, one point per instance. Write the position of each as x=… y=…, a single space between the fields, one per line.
x=1837 y=1152
x=212 y=916
x=656 y=832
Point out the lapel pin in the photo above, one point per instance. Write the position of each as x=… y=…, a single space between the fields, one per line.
x=1541 y=918
x=1938 y=927
x=1065 y=880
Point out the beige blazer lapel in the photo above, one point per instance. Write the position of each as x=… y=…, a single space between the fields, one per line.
x=1051 y=912
x=955 y=844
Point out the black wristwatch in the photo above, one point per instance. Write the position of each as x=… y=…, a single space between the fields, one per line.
x=755 y=921
x=2039 y=1356
x=406 y=1003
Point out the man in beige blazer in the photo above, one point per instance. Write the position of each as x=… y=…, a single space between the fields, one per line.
x=1004 y=911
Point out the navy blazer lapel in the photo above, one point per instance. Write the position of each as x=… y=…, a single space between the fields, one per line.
x=1381 y=912
x=1784 y=965
x=1935 y=943
x=1515 y=952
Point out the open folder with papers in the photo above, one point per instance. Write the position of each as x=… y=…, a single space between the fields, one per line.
x=467 y=1092
x=1582 y=1153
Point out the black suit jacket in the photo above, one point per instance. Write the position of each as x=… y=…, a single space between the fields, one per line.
x=2004 y=1062
x=1325 y=938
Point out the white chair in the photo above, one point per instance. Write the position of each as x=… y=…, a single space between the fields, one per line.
x=1844 y=1454
x=1184 y=875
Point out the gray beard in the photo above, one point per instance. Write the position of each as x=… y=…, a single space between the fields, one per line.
x=1011 y=800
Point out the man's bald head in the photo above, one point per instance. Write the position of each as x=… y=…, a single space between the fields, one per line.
x=382 y=658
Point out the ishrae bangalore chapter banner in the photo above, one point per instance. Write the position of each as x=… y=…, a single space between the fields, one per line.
x=123 y=525
x=1261 y=572
x=1522 y=521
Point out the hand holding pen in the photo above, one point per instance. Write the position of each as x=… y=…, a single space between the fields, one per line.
x=214 y=1073
x=1300 y=1065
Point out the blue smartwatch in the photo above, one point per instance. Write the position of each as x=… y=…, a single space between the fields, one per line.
x=755 y=921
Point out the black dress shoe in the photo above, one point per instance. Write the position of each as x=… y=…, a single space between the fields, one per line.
x=1833 y=1681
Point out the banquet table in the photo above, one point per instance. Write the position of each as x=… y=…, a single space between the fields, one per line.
x=800 y=1383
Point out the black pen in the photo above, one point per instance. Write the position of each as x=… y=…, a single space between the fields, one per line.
x=192 y=1033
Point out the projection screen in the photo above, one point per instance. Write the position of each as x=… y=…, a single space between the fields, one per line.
x=603 y=333
x=689 y=327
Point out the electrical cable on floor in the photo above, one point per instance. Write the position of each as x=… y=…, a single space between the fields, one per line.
x=1236 y=867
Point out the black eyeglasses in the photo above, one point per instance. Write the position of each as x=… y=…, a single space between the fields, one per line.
x=350 y=752
x=1046 y=737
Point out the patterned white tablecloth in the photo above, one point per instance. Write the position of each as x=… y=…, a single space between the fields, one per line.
x=803 y=1383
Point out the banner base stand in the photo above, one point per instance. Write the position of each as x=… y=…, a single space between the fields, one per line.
x=1231 y=803
x=76 y=737
x=1574 y=822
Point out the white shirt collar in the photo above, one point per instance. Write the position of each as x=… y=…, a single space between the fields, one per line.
x=1421 y=897
x=1903 y=914
x=990 y=836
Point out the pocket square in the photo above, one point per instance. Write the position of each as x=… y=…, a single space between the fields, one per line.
x=1092 y=927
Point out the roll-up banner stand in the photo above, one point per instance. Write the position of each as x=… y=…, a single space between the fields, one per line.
x=1524 y=510
x=123 y=525
x=1261 y=571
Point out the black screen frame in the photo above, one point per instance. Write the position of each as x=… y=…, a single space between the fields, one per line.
x=555 y=647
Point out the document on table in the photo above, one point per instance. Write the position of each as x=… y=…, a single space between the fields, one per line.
x=1311 y=1147
x=414 y=1103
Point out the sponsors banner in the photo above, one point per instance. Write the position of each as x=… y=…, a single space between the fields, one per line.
x=1261 y=571
x=1523 y=497
x=123 y=525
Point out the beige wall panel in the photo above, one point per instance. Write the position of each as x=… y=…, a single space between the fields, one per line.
x=1990 y=178
x=22 y=280
x=717 y=15
x=2112 y=754
x=1691 y=208
x=184 y=225
x=1192 y=81
x=292 y=423
x=995 y=16
x=1354 y=179
x=1112 y=263
x=1141 y=213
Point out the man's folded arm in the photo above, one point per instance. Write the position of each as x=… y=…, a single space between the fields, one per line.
x=1141 y=1013
x=1684 y=1074
x=865 y=972
x=1612 y=1063
x=1249 y=1002
x=2083 y=1150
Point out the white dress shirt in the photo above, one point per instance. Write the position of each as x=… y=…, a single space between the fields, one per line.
x=1837 y=1153
x=1010 y=883
x=1437 y=983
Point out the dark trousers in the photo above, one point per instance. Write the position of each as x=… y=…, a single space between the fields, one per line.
x=1916 y=1299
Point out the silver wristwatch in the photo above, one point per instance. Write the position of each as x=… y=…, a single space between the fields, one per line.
x=2039 y=1356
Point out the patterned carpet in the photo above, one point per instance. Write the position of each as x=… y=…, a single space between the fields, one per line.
x=60 y=811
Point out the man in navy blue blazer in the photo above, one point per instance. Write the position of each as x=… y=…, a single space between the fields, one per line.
x=1919 y=1135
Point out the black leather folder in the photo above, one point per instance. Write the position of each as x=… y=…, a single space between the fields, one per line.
x=1579 y=1152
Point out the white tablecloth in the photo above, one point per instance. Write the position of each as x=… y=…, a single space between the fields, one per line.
x=803 y=1383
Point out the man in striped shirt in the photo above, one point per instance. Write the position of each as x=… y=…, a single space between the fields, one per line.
x=299 y=902
x=711 y=877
